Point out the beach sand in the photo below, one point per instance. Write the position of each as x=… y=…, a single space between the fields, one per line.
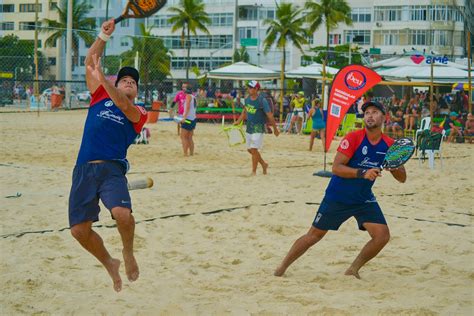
x=223 y=263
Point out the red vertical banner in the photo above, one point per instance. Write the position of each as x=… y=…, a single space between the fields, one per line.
x=349 y=84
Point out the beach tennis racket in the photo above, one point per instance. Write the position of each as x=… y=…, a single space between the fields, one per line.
x=398 y=154
x=136 y=9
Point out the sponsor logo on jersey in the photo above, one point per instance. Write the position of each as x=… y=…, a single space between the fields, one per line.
x=109 y=103
x=369 y=164
x=344 y=144
x=364 y=150
x=109 y=115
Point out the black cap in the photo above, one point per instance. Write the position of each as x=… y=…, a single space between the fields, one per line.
x=373 y=103
x=128 y=71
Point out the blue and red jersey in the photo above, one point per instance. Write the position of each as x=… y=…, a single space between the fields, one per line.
x=107 y=131
x=363 y=155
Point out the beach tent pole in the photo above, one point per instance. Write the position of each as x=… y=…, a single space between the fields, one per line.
x=431 y=89
x=469 y=70
x=324 y=173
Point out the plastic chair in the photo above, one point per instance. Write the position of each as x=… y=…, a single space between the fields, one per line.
x=425 y=124
x=348 y=124
x=434 y=149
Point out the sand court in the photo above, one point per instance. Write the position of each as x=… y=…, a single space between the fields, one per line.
x=219 y=258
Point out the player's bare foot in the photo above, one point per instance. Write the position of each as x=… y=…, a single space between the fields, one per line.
x=279 y=272
x=131 y=266
x=264 y=167
x=353 y=273
x=113 y=270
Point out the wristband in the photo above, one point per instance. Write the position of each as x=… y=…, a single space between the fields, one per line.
x=361 y=173
x=103 y=36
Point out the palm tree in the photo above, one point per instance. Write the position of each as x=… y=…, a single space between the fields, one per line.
x=241 y=54
x=83 y=27
x=332 y=12
x=154 y=58
x=190 y=17
x=288 y=26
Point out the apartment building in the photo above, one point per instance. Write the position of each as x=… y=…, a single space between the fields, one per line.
x=381 y=27
x=18 y=17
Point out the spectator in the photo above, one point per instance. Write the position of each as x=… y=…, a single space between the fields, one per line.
x=297 y=105
x=469 y=128
x=452 y=129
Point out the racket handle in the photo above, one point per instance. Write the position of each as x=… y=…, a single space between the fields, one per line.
x=140 y=184
x=119 y=19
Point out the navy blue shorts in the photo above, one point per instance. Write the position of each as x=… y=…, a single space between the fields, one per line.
x=189 y=125
x=93 y=181
x=332 y=214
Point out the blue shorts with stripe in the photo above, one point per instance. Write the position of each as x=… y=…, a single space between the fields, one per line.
x=189 y=125
x=331 y=214
x=93 y=181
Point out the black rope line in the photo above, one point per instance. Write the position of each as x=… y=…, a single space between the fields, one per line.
x=459 y=213
x=230 y=209
x=148 y=220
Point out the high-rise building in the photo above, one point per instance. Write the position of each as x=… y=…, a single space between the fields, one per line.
x=380 y=27
x=18 y=18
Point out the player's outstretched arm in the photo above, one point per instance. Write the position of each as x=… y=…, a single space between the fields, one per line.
x=97 y=49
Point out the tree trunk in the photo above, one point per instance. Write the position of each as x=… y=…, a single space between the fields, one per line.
x=327 y=43
x=282 y=79
x=189 y=52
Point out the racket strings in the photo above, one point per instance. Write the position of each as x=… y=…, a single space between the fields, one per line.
x=142 y=7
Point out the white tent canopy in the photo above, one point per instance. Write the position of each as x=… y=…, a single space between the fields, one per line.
x=242 y=71
x=441 y=74
x=314 y=71
x=414 y=60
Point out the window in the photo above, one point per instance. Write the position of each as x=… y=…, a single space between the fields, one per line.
x=440 y=38
x=388 y=13
x=222 y=19
x=418 y=37
x=7 y=8
x=418 y=12
x=82 y=60
x=124 y=42
x=199 y=42
x=335 y=39
x=27 y=26
x=7 y=26
x=361 y=15
x=248 y=13
x=125 y=23
x=201 y=62
x=364 y=36
x=52 y=61
x=52 y=5
x=391 y=37
x=30 y=7
x=310 y=39
x=247 y=32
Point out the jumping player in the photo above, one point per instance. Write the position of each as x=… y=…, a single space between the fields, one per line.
x=113 y=121
x=349 y=193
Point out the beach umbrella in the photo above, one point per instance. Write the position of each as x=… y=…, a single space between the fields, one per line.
x=461 y=86
x=313 y=71
x=242 y=71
